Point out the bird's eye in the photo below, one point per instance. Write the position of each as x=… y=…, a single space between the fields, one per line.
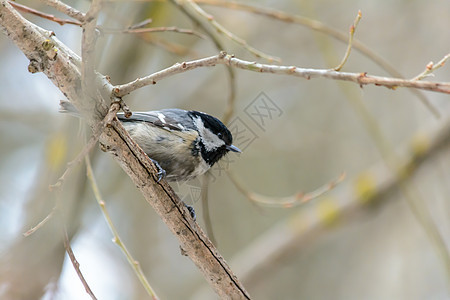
x=220 y=135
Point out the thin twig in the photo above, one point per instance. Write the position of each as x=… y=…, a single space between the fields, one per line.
x=205 y=208
x=223 y=58
x=75 y=263
x=431 y=67
x=125 y=108
x=221 y=29
x=65 y=9
x=40 y=224
x=141 y=24
x=133 y=263
x=285 y=202
x=152 y=30
x=171 y=47
x=50 y=17
x=350 y=42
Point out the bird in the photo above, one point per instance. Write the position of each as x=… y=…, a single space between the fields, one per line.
x=183 y=144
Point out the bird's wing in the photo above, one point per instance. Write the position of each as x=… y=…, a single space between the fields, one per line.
x=170 y=119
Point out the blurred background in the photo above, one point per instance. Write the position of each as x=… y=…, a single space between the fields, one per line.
x=380 y=234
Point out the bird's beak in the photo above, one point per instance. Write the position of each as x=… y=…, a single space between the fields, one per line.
x=234 y=149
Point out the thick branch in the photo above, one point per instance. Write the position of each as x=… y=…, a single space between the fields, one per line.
x=62 y=69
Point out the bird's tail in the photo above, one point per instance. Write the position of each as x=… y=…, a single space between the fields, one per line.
x=66 y=107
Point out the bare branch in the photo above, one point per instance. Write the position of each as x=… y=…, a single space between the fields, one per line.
x=43 y=15
x=124 y=89
x=229 y=60
x=65 y=9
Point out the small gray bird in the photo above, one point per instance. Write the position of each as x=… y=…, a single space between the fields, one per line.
x=184 y=144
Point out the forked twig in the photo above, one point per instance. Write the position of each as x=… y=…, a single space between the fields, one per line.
x=431 y=67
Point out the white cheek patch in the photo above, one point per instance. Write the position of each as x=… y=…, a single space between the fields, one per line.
x=209 y=139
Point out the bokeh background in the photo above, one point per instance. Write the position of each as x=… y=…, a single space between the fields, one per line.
x=363 y=240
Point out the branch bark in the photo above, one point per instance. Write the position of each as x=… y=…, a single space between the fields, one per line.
x=48 y=55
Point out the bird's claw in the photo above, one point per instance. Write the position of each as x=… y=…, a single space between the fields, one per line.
x=191 y=211
x=161 y=172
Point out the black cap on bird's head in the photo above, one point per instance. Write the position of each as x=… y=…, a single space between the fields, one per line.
x=216 y=139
